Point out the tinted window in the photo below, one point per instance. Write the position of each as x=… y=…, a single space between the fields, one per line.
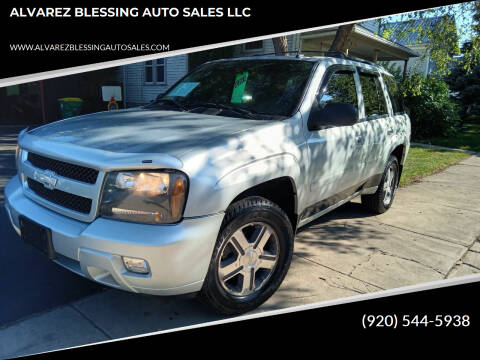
x=339 y=89
x=395 y=95
x=270 y=87
x=373 y=97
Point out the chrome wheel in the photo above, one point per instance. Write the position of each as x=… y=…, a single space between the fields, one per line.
x=389 y=185
x=248 y=259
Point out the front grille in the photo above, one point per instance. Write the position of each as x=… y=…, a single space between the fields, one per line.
x=71 y=171
x=62 y=198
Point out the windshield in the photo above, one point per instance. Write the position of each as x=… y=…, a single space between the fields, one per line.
x=240 y=88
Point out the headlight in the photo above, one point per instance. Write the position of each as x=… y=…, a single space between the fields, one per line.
x=152 y=197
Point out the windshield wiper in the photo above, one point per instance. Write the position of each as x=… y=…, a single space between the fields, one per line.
x=248 y=113
x=170 y=101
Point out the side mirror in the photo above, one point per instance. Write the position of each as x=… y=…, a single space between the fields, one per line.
x=336 y=114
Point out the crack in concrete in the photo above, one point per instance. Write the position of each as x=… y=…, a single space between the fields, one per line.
x=412 y=260
x=448 y=184
x=419 y=233
x=361 y=263
x=104 y=332
x=462 y=256
x=472 y=266
x=475 y=251
x=457 y=208
x=335 y=270
x=344 y=288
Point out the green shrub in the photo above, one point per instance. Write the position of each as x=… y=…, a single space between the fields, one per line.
x=432 y=112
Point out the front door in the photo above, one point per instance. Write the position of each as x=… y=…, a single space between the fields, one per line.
x=337 y=153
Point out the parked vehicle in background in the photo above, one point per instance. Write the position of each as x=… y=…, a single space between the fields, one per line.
x=203 y=190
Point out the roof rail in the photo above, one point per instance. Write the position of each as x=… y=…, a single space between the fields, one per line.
x=283 y=52
x=299 y=53
x=337 y=54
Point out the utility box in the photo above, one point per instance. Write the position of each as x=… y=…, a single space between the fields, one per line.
x=70 y=106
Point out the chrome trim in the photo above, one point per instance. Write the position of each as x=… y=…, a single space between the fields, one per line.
x=334 y=206
x=75 y=187
x=48 y=178
x=15 y=227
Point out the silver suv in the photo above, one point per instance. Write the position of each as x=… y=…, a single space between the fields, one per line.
x=203 y=189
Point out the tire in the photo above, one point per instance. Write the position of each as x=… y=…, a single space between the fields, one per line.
x=246 y=270
x=383 y=197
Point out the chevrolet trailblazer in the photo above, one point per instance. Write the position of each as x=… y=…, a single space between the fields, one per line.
x=203 y=189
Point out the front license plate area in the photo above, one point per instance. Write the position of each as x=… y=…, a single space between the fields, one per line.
x=37 y=235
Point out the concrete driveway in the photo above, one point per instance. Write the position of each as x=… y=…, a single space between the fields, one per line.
x=432 y=232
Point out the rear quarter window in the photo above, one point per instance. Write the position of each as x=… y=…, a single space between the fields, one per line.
x=373 y=96
x=394 y=93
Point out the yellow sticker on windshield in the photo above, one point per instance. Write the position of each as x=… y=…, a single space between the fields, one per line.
x=239 y=88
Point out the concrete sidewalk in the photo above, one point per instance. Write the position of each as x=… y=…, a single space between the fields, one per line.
x=432 y=232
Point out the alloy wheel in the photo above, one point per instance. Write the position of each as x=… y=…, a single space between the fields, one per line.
x=389 y=185
x=248 y=259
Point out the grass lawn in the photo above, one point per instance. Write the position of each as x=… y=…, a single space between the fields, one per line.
x=468 y=139
x=422 y=162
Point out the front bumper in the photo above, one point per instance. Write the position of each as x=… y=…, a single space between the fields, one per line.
x=178 y=255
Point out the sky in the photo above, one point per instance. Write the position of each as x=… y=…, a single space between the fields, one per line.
x=463 y=21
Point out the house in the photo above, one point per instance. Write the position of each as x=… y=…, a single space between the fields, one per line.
x=144 y=81
x=401 y=33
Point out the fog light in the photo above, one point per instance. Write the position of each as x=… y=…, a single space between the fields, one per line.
x=135 y=265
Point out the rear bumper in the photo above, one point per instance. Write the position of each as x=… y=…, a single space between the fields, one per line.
x=178 y=255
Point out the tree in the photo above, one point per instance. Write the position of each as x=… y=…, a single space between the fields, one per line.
x=280 y=45
x=341 y=37
x=339 y=43
x=466 y=87
x=441 y=27
x=442 y=35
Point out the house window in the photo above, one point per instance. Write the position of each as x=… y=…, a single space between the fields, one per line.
x=254 y=45
x=155 y=71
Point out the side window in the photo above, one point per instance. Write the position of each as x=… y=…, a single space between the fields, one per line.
x=339 y=89
x=395 y=95
x=373 y=97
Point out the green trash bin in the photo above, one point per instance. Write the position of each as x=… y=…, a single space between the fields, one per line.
x=70 y=106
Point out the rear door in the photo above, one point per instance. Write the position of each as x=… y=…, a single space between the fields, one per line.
x=399 y=128
x=336 y=152
x=376 y=119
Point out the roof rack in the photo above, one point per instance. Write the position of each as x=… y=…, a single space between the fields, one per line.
x=337 y=54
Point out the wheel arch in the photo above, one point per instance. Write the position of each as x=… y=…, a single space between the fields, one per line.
x=282 y=191
x=400 y=153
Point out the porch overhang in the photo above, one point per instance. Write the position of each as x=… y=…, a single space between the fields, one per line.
x=362 y=43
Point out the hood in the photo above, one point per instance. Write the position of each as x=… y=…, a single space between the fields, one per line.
x=144 y=131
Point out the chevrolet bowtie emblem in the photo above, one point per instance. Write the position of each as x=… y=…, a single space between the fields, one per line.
x=47 y=178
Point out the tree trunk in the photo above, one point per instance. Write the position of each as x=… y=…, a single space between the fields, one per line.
x=280 y=45
x=341 y=38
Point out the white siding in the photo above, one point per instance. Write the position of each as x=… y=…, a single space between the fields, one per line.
x=420 y=65
x=292 y=41
x=138 y=93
